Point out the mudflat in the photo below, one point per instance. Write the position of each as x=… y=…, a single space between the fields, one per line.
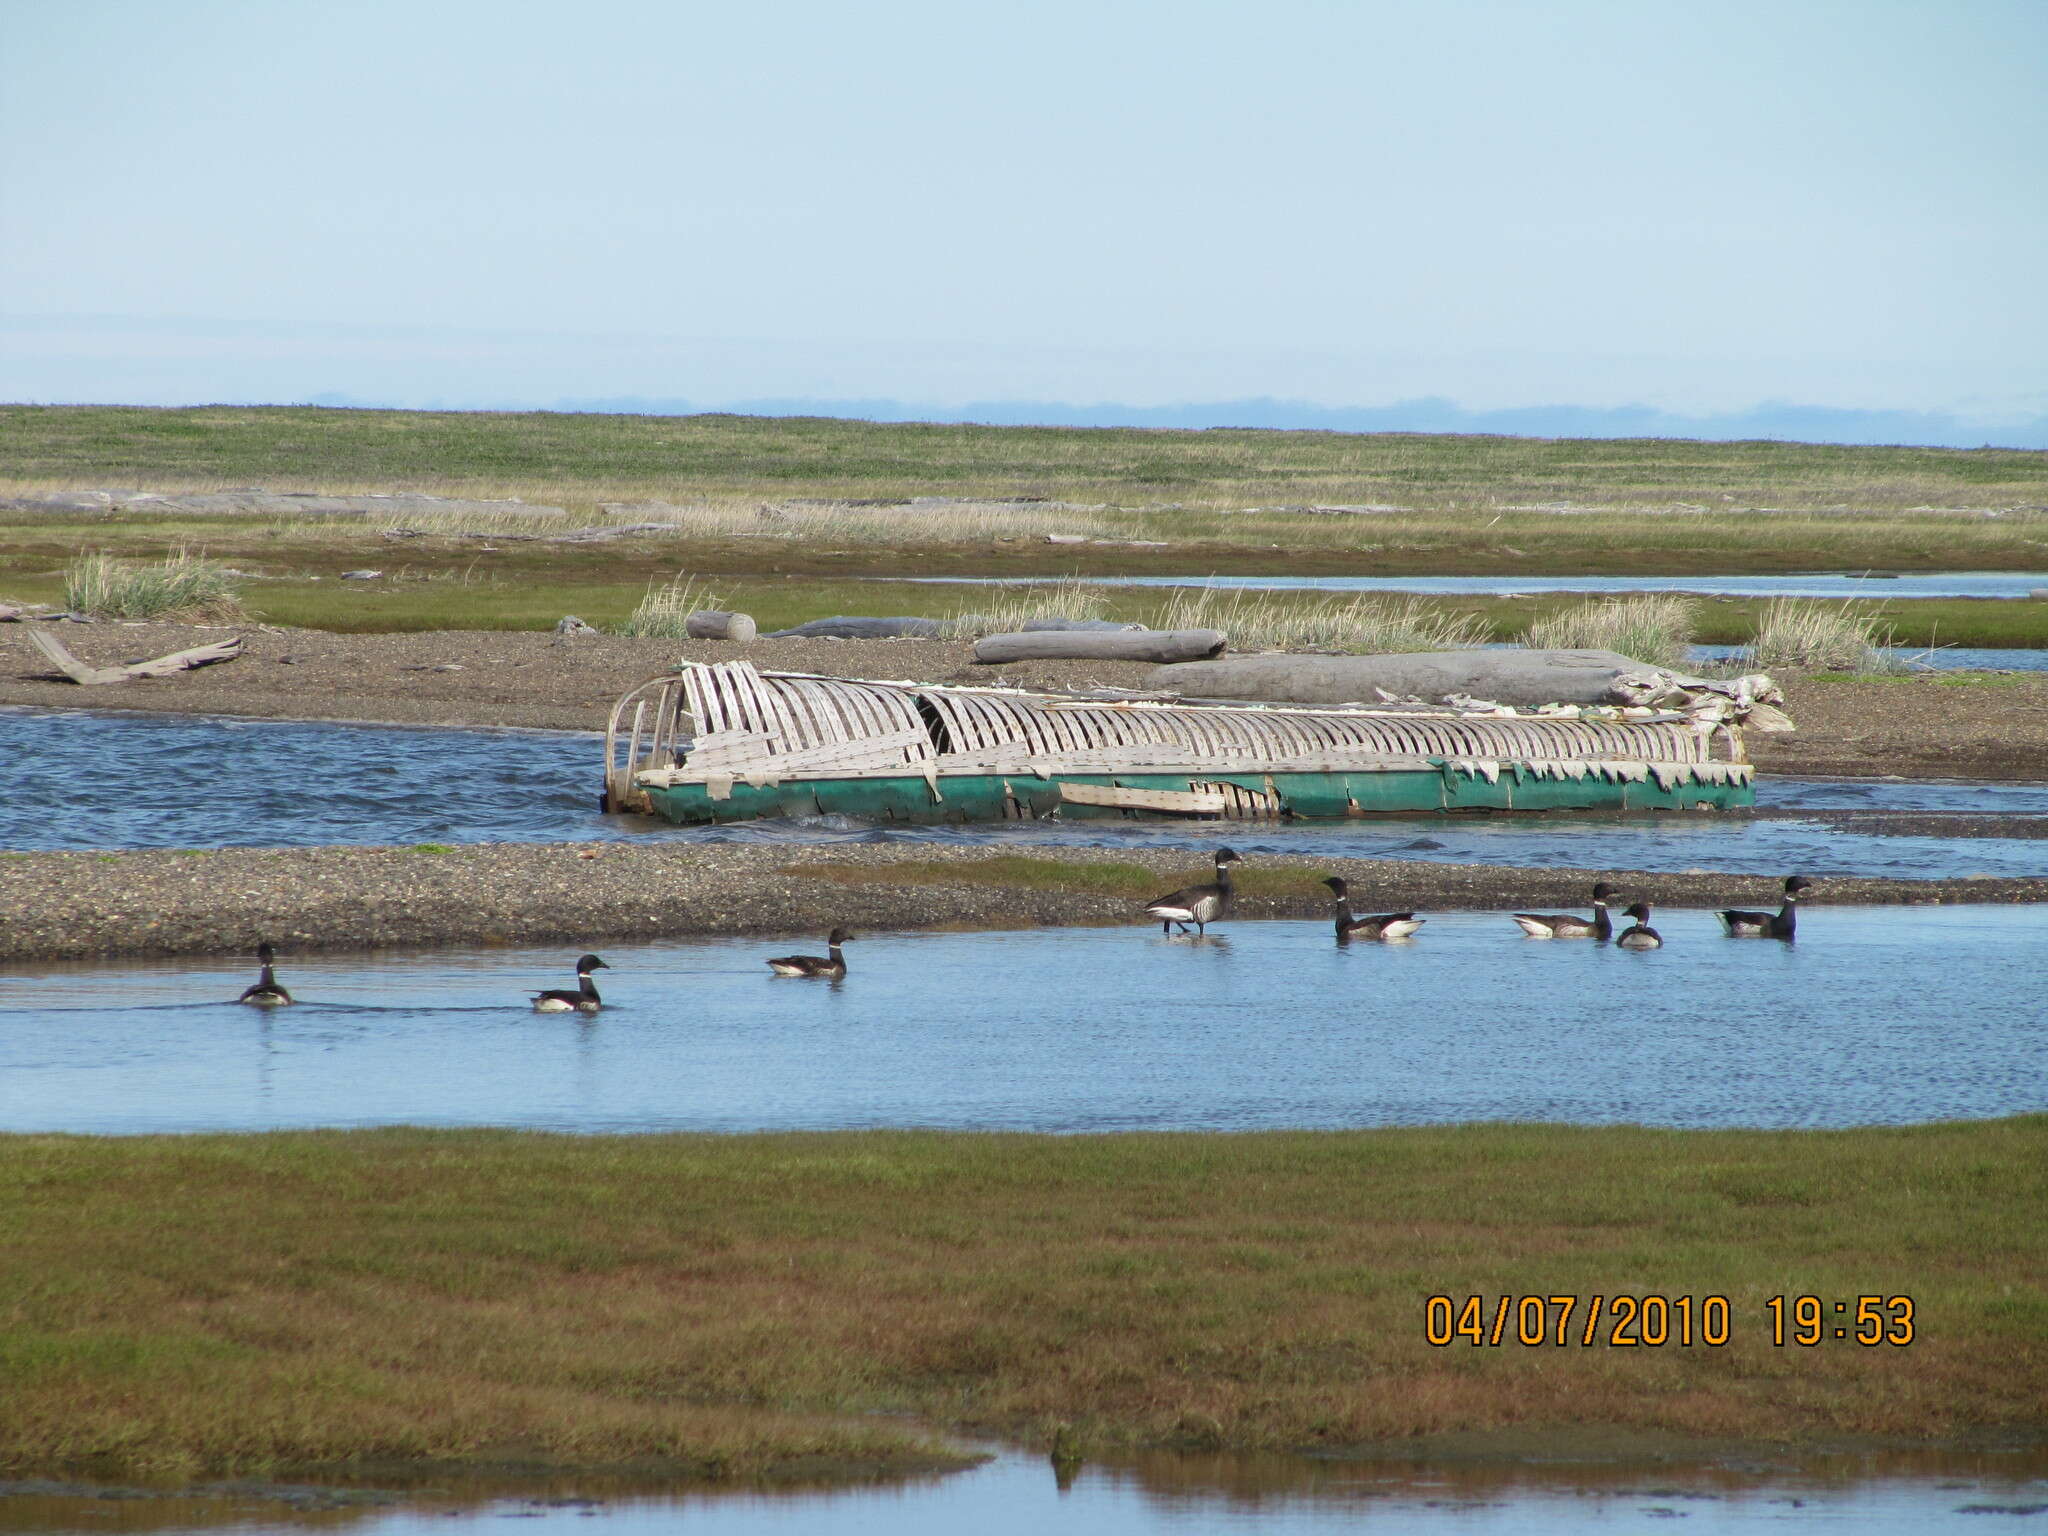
x=1967 y=726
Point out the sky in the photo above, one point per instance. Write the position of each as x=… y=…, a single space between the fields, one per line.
x=1688 y=210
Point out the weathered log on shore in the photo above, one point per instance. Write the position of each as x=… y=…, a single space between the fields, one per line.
x=88 y=676
x=500 y=536
x=719 y=624
x=1518 y=677
x=1161 y=645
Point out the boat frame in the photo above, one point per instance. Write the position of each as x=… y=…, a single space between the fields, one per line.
x=723 y=742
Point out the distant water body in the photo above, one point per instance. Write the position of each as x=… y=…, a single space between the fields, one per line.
x=1916 y=584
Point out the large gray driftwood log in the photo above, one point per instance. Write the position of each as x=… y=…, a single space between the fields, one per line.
x=846 y=628
x=1519 y=677
x=718 y=624
x=163 y=666
x=1184 y=645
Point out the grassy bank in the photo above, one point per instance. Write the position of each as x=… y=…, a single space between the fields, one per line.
x=585 y=457
x=426 y=586
x=240 y=1302
x=1222 y=501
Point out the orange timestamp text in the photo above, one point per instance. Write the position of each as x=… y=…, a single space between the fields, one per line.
x=1652 y=1321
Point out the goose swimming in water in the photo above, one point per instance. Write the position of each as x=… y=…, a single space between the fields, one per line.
x=1388 y=925
x=1569 y=925
x=1642 y=935
x=1200 y=905
x=583 y=1000
x=266 y=993
x=817 y=965
x=1781 y=924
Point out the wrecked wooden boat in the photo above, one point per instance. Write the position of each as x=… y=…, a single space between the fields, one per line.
x=725 y=742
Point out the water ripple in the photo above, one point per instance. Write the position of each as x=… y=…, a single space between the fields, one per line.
x=79 y=779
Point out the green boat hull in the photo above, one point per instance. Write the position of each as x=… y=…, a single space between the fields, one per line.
x=1316 y=796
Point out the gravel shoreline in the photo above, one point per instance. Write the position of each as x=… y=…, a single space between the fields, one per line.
x=78 y=906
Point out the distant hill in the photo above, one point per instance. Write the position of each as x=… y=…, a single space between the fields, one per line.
x=1772 y=420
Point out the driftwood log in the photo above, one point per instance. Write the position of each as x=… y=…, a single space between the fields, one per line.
x=1163 y=645
x=718 y=624
x=580 y=536
x=162 y=666
x=1522 y=678
x=848 y=628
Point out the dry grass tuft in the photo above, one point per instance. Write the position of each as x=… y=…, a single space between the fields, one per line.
x=1797 y=634
x=1273 y=621
x=1656 y=628
x=1006 y=609
x=183 y=586
x=664 y=612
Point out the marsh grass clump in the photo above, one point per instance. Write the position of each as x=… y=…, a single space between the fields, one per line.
x=180 y=586
x=664 y=612
x=1365 y=626
x=1798 y=634
x=1656 y=628
x=1007 y=609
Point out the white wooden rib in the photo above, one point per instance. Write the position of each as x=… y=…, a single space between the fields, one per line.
x=750 y=724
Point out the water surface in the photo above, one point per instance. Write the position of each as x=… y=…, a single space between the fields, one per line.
x=1919 y=658
x=1264 y=1025
x=83 y=779
x=1014 y=1495
x=1991 y=584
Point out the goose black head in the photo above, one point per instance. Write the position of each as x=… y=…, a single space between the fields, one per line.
x=1228 y=856
x=265 y=953
x=841 y=936
x=1797 y=883
x=1602 y=891
x=590 y=963
x=1640 y=912
x=1337 y=887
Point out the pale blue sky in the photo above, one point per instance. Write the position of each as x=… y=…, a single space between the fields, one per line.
x=1694 y=207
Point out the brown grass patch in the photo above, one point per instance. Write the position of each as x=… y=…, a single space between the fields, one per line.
x=220 y=1302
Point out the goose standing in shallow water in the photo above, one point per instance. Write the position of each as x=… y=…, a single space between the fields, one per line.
x=1642 y=935
x=583 y=1000
x=1569 y=925
x=817 y=965
x=266 y=993
x=1781 y=924
x=1198 y=904
x=1388 y=925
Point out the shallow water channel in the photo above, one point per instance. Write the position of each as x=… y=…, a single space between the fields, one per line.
x=1876 y=1015
x=1910 y=584
x=1262 y=1025
x=1014 y=1495
x=84 y=779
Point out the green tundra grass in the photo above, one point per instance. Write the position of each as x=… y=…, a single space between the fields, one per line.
x=585 y=456
x=460 y=592
x=1223 y=501
x=735 y=1305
